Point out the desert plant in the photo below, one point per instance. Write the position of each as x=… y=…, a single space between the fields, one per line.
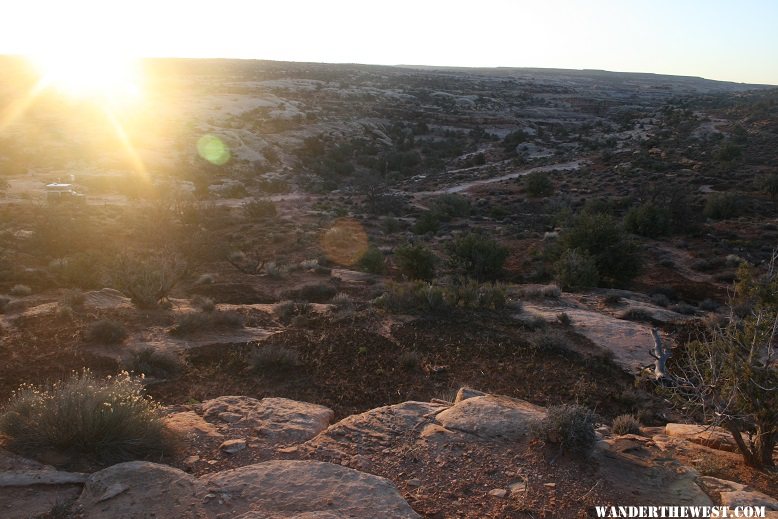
x=720 y=206
x=258 y=209
x=576 y=269
x=415 y=262
x=20 y=290
x=428 y=222
x=110 y=419
x=274 y=359
x=373 y=261
x=73 y=298
x=601 y=236
x=106 y=331
x=564 y=319
x=205 y=304
x=570 y=426
x=728 y=376
x=648 y=219
x=148 y=281
x=660 y=300
x=538 y=184
x=153 y=363
x=477 y=256
x=625 y=424
x=449 y=206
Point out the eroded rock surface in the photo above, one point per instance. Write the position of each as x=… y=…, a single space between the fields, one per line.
x=491 y=417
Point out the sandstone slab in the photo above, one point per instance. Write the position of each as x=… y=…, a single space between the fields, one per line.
x=491 y=417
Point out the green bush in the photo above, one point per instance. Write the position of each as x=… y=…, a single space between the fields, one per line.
x=477 y=256
x=416 y=262
x=449 y=206
x=648 y=219
x=602 y=238
x=625 y=424
x=109 y=420
x=570 y=426
x=576 y=269
x=106 y=331
x=373 y=261
x=428 y=222
x=538 y=184
x=720 y=206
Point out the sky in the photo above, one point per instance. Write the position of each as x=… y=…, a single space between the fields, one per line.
x=734 y=40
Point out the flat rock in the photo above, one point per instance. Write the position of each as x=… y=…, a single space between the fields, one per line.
x=276 y=420
x=721 y=485
x=748 y=498
x=140 y=489
x=297 y=489
x=191 y=424
x=491 y=417
x=374 y=430
x=713 y=437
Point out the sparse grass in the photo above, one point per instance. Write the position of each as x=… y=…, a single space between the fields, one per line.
x=106 y=331
x=205 y=304
x=625 y=424
x=274 y=359
x=73 y=298
x=109 y=420
x=541 y=292
x=570 y=426
x=564 y=319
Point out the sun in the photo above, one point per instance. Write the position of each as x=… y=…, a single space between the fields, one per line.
x=89 y=75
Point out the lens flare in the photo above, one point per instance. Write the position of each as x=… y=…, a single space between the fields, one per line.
x=213 y=149
x=345 y=242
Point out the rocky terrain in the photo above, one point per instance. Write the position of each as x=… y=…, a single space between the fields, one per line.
x=356 y=291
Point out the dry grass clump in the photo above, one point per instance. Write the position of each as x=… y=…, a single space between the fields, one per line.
x=625 y=424
x=196 y=322
x=571 y=426
x=153 y=363
x=274 y=359
x=109 y=420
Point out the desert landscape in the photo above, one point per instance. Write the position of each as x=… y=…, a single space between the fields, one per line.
x=276 y=289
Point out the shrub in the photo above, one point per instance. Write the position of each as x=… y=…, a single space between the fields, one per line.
x=73 y=298
x=110 y=420
x=660 y=300
x=538 y=184
x=272 y=358
x=153 y=363
x=20 y=290
x=477 y=256
x=148 y=281
x=541 y=292
x=416 y=262
x=81 y=270
x=4 y=301
x=410 y=298
x=373 y=261
x=570 y=426
x=625 y=424
x=449 y=206
x=648 y=219
x=769 y=185
x=316 y=292
x=106 y=331
x=719 y=206
x=576 y=269
x=564 y=319
x=599 y=235
x=428 y=222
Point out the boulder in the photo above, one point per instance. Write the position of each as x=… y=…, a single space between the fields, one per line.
x=708 y=436
x=140 y=489
x=276 y=420
x=303 y=489
x=491 y=417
